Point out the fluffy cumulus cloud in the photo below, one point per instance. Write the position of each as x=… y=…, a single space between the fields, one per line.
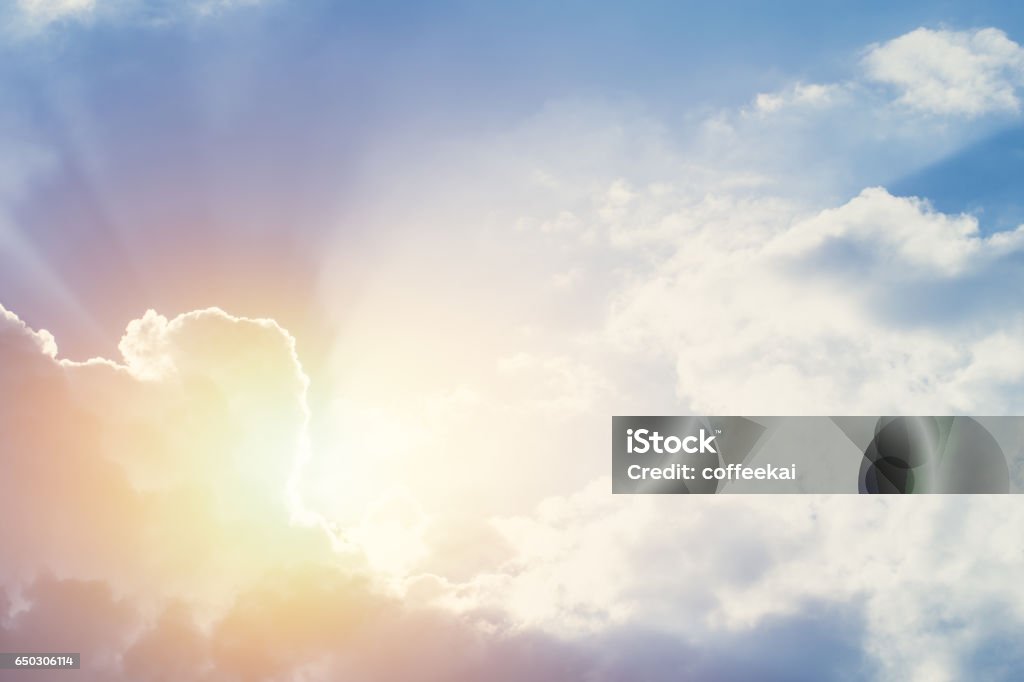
x=891 y=575
x=156 y=468
x=907 y=233
x=766 y=303
x=951 y=72
x=927 y=71
x=824 y=313
x=144 y=542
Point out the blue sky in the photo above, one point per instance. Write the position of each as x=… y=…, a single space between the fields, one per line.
x=296 y=103
x=445 y=243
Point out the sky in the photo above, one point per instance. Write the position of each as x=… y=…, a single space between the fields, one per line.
x=314 y=316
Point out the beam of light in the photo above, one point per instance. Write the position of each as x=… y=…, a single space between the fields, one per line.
x=16 y=249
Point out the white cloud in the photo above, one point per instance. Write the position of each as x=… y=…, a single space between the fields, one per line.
x=15 y=332
x=43 y=12
x=766 y=302
x=800 y=95
x=585 y=566
x=951 y=72
x=193 y=439
x=758 y=318
x=911 y=567
x=905 y=231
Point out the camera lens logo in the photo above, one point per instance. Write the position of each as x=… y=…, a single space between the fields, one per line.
x=933 y=455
